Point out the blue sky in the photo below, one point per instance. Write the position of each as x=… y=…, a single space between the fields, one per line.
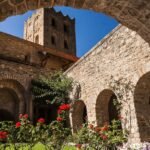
x=91 y=27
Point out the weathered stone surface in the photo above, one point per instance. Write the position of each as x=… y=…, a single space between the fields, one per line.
x=122 y=54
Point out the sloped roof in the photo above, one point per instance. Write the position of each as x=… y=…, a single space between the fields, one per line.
x=39 y=48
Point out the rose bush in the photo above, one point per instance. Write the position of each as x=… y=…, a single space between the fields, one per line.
x=56 y=134
x=23 y=131
x=107 y=136
x=3 y=135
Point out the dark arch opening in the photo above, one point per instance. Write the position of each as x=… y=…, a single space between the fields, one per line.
x=53 y=22
x=142 y=106
x=12 y=97
x=112 y=109
x=84 y=115
x=46 y=111
x=9 y=105
x=53 y=40
x=106 y=111
x=79 y=115
x=66 y=44
x=66 y=28
x=5 y=115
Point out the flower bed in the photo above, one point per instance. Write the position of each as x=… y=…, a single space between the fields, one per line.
x=51 y=135
x=55 y=134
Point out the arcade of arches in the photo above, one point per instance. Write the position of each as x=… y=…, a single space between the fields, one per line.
x=122 y=54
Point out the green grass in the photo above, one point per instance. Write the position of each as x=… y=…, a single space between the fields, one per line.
x=38 y=146
x=69 y=148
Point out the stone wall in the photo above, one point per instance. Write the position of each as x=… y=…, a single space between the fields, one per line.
x=122 y=54
x=20 y=62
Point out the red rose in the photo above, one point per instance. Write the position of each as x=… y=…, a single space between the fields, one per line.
x=59 y=111
x=3 y=134
x=64 y=107
x=20 y=116
x=41 y=120
x=104 y=137
x=97 y=129
x=59 y=119
x=105 y=128
x=25 y=116
x=18 y=124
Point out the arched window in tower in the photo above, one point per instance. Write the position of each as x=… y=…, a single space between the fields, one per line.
x=53 y=40
x=53 y=22
x=37 y=17
x=66 y=44
x=37 y=39
x=66 y=29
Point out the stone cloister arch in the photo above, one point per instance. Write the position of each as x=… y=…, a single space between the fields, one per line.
x=12 y=101
x=135 y=14
x=78 y=115
x=142 y=106
x=106 y=111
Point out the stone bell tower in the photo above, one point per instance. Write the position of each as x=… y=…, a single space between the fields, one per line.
x=51 y=29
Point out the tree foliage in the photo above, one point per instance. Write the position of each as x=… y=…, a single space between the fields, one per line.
x=54 y=88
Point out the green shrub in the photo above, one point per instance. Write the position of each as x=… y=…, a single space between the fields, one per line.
x=54 y=88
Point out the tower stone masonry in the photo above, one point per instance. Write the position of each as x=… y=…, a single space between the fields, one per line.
x=51 y=29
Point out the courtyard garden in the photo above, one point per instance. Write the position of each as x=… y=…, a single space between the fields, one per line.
x=24 y=135
x=56 y=133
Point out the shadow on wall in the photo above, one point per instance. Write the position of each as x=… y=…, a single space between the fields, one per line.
x=142 y=106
